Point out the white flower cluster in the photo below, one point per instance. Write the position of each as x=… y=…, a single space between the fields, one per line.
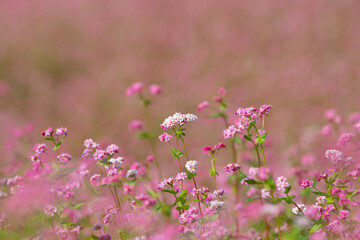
x=191 y=166
x=178 y=119
x=296 y=210
x=217 y=205
x=281 y=184
x=117 y=162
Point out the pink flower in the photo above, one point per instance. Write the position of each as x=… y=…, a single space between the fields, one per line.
x=345 y=138
x=357 y=126
x=99 y=154
x=95 y=180
x=330 y=114
x=155 y=89
x=354 y=117
x=150 y=158
x=135 y=88
x=306 y=183
x=343 y=214
x=338 y=158
x=207 y=149
x=48 y=132
x=61 y=131
x=65 y=157
x=40 y=148
x=219 y=146
x=222 y=91
x=202 y=105
x=232 y=168
x=165 y=137
x=136 y=124
x=326 y=130
x=308 y=159
x=112 y=149
x=281 y=183
x=264 y=110
x=230 y=132
x=50 y=210
x=218 y=99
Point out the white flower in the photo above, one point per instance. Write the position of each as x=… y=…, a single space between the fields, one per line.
x=217 y=205
x=131 y=174
x=178 y=119
x=191 y=166
x=117 y=162
x=296 y=210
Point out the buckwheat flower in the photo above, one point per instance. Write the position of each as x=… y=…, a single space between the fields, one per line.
x=68 y=195
x=217 y=205
x=35 y=157
x=354 y=174
x=84 y=173
x=155 y=89
x=202 y=105
x=105 y=236
x=207 y=149
x=128 y=188
x=61 y=131
x=320 y=200
x=264 y=110
x=135 y=88
x=97 y=226
x=345 y=138
x=48 y=132
x=338 y=120
x=218 y=99
x=65 y=157
x=339 y=159
x=296 y=210
x=131 y=174
x=326 y=130
x=165 y=137
x=219 y=193
x=330 y=114
x=191 y=166
x=150 y=158
x=230 y=132
x=180 y=177
x=136 y=124
x=232 y=168
x=306 y=183
x=108 y=218
x=357 y=126
x=87 y=153
x=112 y=149
x=354 y=117
x=117 y=162
x=40 y=148
x=343 y=214
x=219 y=146
x=281 y=184
x=222 y=91
x=265 y=193
x=89 y=143
x=189 y=216
x=99 y=154
x=50 y=210
x=95 y=180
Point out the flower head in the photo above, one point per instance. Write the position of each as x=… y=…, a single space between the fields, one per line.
x=191 y=166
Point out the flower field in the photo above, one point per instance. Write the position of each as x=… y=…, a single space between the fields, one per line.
x=179 y=120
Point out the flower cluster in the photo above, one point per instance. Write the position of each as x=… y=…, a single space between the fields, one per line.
x=177 y=120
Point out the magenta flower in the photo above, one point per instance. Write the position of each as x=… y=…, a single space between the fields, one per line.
x=135 y=88
x=165 y=137
x=202 y=105
x=345 y=138
x=155 y=89
x=232 y=168
x=136 y=124
x=40 y=148
x=65 y=157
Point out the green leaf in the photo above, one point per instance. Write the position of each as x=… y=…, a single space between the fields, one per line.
x=190 y=175
x=287 y=200
x=321 y=194
x=57 y=146
x=218 y=114
x=291 y=196
x=185 y=207
x=183 y=193
x=287 y=189
x=94 y=237
x=143 y=136
x=315 y=228
x=61 y=173
x=248 y=138
x=168 y=191
x=212 y=172
x=78 y=206
x=175 y=153
x=251 y=181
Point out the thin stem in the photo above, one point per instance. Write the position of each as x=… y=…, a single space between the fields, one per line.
x=186 y=154
x=197 y=195
x=213 y=169
x=117 y=197
x=261 y=146
x=277 y=218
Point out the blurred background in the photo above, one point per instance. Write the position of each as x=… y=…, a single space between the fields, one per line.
x=68 y=63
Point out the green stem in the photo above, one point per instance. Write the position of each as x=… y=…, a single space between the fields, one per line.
x=261 y=146
x=277 y=218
